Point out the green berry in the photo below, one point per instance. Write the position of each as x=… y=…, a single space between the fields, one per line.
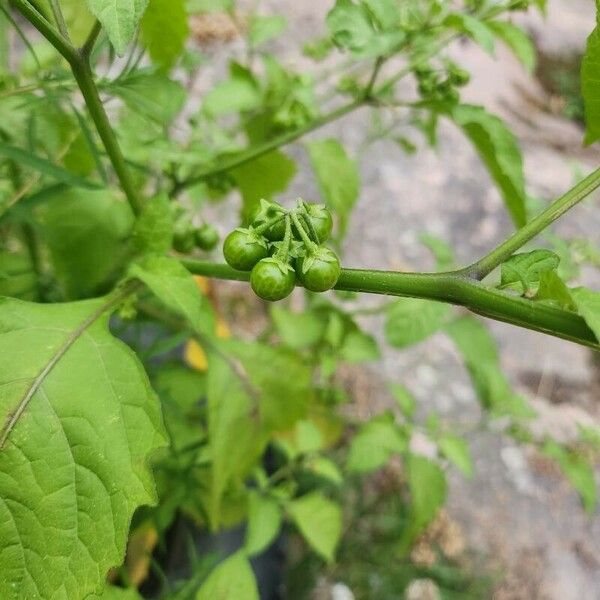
x=319 y=270
x=243 y=248
x=272 y=279
x=207 y=237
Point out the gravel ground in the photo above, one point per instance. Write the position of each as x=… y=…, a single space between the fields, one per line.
x=517 y=509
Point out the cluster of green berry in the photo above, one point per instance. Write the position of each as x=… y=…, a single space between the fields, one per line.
x=440 y=86
x=281 y=247
x=186 y=236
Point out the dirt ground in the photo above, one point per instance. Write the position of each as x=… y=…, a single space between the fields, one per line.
x=517 y=510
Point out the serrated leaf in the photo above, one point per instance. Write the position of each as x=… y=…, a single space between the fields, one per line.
x=588 y=306
x=337 y=175
x=153 y=231
x=517 y=40
x=263 y=177
x=79 y=420
x=474 y=28
x=319 y=521
x=411 y=320
x=500 y=153
x=480 y=354
x=577 y=470
x=165 y=30
x=373 y=445
x=119 y=18
x=526 y=268
x=233 y=579
x=175 y=287
x=590 y=86
x=456 y=450
x=264 y=522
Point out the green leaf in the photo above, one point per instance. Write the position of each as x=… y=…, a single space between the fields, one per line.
x=175 y=287
x=165 y=31
x=233 y=579
x=110 y=592
x=577 y=470
x=480 y=354
x=119 y=18
x=263 y=29
x=500 y=153
x=319 y=521
x=78 y=423
x=17 y=276
x=298 y=330
x=526 y=268
x=456 y=450
x=87 y=234
x=263 y=177
x=590 y=86
x=411 y=320
x=358 y=347
x=517 y=40
x=153 y=95
x=385 y=12
x=404 y=399
x=588 y=306
x=373 y=445
x=240 y=93
x=153 y=231
x=552 y=288
x=427 y=485
x=441 y=250
x=474 y=28
x=326 y=469
x=337 y=175
x=264 y=522
x=45 y=167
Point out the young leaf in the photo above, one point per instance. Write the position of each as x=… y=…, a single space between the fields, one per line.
x=319 y=521
x=373 y=445
x=119 y=18
x=456 y=450
x=337 y=175
x=552 y=288
x=411 y=320
x=480 y=354
x=78 y=422
x=517 y=40
x=577 y=470
x=153 y=231
x=474 y=28
x=526 y=268
x=590 y=86
x=588 y=306
x=165 y=30
x=500 y=153
x=233 y=579
x=264 y=522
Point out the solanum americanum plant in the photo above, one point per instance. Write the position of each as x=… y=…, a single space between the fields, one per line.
x=146 y=409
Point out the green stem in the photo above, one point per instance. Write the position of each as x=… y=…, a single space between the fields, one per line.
x=88 y=45
x=284 y=250
x=559 y=207
x=310 y=245
x=452 y=288
x=264 y=226
x=59 y=18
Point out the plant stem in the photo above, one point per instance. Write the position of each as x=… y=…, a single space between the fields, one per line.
x=559 y=207
x=88 y=45
x=308 y=243
x=452 y=288
x=59 y=18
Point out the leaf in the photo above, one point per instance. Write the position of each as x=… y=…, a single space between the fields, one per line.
x=79 y=421
x=319 y=521
x=517 y=40
x=326 y=469
x=45 y=167
x=474 y=28
x=526 y=268
x=87 y=235
x=480 y=354
x=240 y=93
x=337 y=175
x=442 y=251
x=153 y=95
x=119 y=18
x=263 y=29
x=111 y=592
x=153 y=232
x=500 y=153
x=264 y=522
x=233 y=579
x=588 y=306
x=590 y=86
x=263 y=177
x=175 y=287
x=165 y=31
x=411 y=320
x=298 y=330
x=404 y=399
x=577 y=470
x=358 y=347
x=456 y=450
x=552 y=288
x=373 y=445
